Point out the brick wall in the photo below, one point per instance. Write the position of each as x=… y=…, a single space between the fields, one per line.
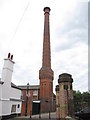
x=48 y=106
x=46 y=89
x=31 y=97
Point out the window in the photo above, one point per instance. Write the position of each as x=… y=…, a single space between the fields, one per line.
x=70 y=87
x=18 y=106
x=66 y=87
x=13 y=108
x=35 y=93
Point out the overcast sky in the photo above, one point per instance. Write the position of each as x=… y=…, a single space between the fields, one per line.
x=21 y=34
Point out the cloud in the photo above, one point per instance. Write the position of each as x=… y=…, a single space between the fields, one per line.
x=73 y=61
x=74 y=29
x=71 y=47
x=68 y=32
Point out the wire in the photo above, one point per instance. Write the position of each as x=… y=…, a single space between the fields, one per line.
x=8 y=46
x=20 y=20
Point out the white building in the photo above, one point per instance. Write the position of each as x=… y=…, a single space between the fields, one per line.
x=10 y=94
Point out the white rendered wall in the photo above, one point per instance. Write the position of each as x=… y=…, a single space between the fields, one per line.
x=6 y=87
x=9 y=93
x=15 y=93
x=18 y=110
x=0 y=100
x=6 y=77
x=6 y=107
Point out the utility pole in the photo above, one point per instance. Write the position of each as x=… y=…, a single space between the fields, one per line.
x=26 y=100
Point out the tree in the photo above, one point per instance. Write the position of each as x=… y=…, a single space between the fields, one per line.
x=77 y=100
x=86 y=97
x=81 y=100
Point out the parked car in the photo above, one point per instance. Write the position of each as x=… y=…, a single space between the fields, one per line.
x=84 y=113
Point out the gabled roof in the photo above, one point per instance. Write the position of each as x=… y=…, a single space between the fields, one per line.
x=14 y=86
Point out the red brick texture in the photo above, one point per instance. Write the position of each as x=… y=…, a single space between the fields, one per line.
x=46 y=89
x=46 y=74
x=29 y=102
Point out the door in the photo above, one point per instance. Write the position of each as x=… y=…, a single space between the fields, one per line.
x=35 y=108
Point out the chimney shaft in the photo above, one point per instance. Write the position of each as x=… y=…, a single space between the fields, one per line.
x=7 y=69
x=46 y=74
x=46 y=40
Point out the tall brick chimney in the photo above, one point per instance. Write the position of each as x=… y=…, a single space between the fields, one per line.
x=45 y=73
x=46 y=40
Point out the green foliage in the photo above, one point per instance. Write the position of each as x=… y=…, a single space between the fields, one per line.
x=86 y=97
x=54 y=95
x=80 y=99
x=77 y=96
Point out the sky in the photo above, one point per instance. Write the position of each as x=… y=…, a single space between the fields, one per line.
x=21 y=34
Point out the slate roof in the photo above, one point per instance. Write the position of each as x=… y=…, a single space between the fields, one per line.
x=31 y=87
x=14 y=86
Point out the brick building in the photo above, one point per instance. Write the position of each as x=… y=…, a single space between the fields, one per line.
x=30 y=96
x=31 y=103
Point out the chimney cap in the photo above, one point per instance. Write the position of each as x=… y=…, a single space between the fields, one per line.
x=46 y=8
x=65 y=77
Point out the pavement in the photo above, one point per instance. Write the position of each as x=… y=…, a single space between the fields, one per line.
x=44 y=116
